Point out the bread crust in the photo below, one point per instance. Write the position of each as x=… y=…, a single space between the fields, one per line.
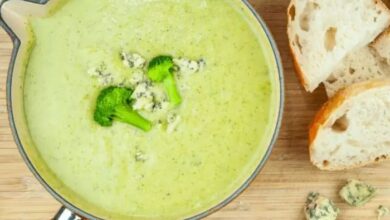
x=384 y=34
x=331 y=106
x=382 y=4
x=386 y=31
x=298 y=70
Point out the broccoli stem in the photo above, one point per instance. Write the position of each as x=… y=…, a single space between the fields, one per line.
x=173 y=93
x=127 y=115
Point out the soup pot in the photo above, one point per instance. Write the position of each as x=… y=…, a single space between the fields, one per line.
x=13 y=17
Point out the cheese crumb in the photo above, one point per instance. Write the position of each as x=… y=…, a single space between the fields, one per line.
x=357 y=193
x=133 y=60
x=143 y=96
x=140 y=156
x=188 y=66
x=149 y=97
x=202 y=64
x=173 y=121
x=137 y=77
x=103 y=76
x=318 y=207
x=105 y=80
x=382 y=211
x=93 y=72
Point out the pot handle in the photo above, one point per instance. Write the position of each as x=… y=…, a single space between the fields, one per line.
x=66 y=214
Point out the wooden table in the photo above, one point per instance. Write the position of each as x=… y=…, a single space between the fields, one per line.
x=277 y=193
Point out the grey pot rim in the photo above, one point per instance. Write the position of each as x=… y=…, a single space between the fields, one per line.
x=16 y=44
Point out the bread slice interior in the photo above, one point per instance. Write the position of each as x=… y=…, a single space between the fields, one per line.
x=352 y=128
x=368 y=63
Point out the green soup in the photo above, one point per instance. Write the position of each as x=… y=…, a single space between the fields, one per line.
x=225 y=113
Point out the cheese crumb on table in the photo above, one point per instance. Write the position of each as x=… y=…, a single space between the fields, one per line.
x=382 y=211
x=357 y=193
x=318 y=207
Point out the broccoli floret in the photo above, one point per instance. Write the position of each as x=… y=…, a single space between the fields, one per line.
x=160 y=69
x=113 y=103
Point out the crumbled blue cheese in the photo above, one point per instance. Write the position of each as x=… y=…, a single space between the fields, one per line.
x=133 y=60
x=202 y=64
x=149 y=97
x=140 y=156
x=382 y=211
x=94 y=72
x=357 y=193
x=160 y=104
x=103 y=76
x=318 y=207
x=106 y=80
x=137 y=77
x=143 y=97
x=188 y=66
x=173 y=121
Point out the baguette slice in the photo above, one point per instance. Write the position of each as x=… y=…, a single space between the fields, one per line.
x=322 y=32
x=367 y=63
x=352 y=128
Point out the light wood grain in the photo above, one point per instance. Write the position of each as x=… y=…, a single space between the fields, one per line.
x=277 y=193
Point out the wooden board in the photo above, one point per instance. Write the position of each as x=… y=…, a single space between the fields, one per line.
x=277 y=193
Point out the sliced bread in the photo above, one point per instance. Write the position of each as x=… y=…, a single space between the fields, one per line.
x=322 y=32
x=367 y=63
x=352 y=128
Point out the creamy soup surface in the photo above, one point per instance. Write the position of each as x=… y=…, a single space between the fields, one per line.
x=225 y=110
